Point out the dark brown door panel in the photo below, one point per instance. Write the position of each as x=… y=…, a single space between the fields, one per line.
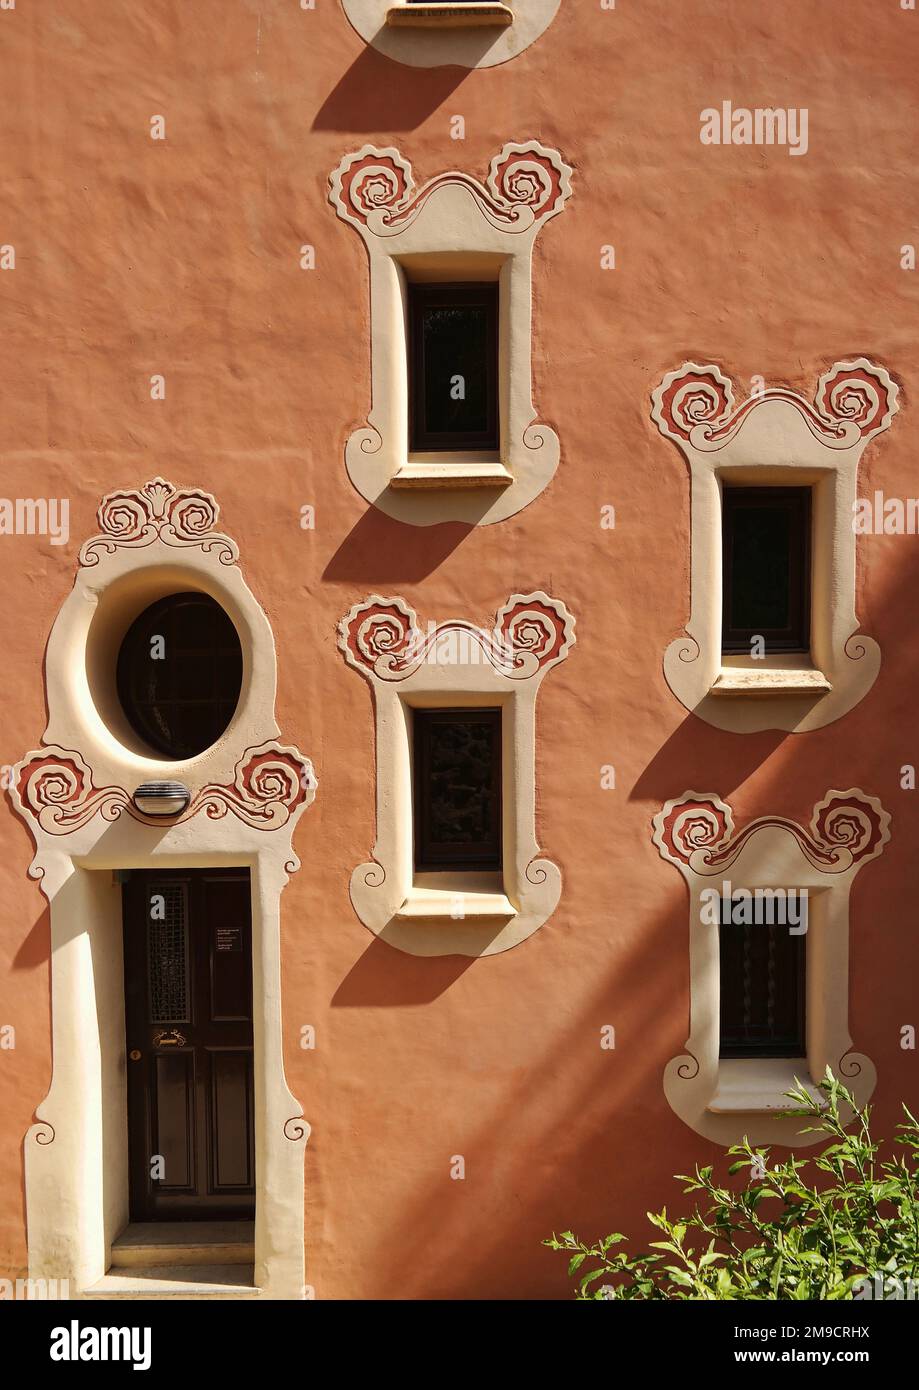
x=188 y=1018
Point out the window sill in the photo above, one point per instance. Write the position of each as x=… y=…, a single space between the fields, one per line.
x=457 y=897
x=455 y=471
x=794 y=677
x=446 y=16
x=758 y=1085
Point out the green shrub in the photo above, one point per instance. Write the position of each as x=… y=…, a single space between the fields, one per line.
x=790 y=1233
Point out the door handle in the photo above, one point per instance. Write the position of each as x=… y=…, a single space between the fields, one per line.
x=172 y=1038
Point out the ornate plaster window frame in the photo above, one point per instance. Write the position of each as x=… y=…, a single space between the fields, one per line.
x=75 y=794
x=432 y=35
x=727 y=1098
x=775 y=438
x=455 y=664
x=453 y=228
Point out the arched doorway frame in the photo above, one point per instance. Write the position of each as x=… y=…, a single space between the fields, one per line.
x=75 y=792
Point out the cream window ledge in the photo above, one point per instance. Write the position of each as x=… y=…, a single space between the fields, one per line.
x=786 y=675
x=453 y=471
x=477 y=35
x=725 y=1099
x=470 y=16
x=775 y=438
x=454 y=898
x=453 y=228
x=760 y=1085
x=448 y=665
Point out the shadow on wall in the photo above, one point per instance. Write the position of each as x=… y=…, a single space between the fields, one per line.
x=374 y=96
x=34 y=949
x=380 y=551
x=583 y=1139
x=383 y=977
x=694 y=744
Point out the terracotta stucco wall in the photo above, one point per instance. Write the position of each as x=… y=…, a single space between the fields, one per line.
x=181 y=257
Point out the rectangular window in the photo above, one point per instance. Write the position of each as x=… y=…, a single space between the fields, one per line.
x=457 y=810
x=453 y=367
x=766 y=568
x=763 y=976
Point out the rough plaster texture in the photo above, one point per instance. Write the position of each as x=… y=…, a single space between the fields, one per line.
x=181 y=257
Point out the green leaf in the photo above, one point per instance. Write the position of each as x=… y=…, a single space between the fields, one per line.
x=809 y=1231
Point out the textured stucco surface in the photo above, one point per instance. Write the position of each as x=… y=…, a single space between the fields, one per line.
x=181 y=257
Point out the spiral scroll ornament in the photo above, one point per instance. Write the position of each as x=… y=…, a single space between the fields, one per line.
x=846 y=829
x=854 y=401
x=54 y=787
x=159 y=511
x=373 y=189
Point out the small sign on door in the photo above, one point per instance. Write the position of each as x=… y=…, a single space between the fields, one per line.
x=229 y=938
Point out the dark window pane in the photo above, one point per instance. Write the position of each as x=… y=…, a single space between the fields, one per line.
x=457 y=789
x=455 y=349
x=180 y=673
x=766 y=576
x=763 y=971
x=759 y=581
x=454 y=389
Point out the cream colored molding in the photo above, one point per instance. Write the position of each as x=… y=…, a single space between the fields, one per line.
x=74 y=793
x=466 y=36
x=455 y=663
x=452 y=228
x=725 y=1099
x=775 y=437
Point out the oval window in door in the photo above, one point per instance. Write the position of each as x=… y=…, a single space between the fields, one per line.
x=180 y=674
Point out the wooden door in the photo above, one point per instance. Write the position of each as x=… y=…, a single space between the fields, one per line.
x=188 y=1020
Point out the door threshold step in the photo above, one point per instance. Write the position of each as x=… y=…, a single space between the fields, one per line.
x=178 y=1281
x=174 y=1243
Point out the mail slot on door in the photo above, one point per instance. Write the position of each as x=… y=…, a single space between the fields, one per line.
x=173 y=1038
